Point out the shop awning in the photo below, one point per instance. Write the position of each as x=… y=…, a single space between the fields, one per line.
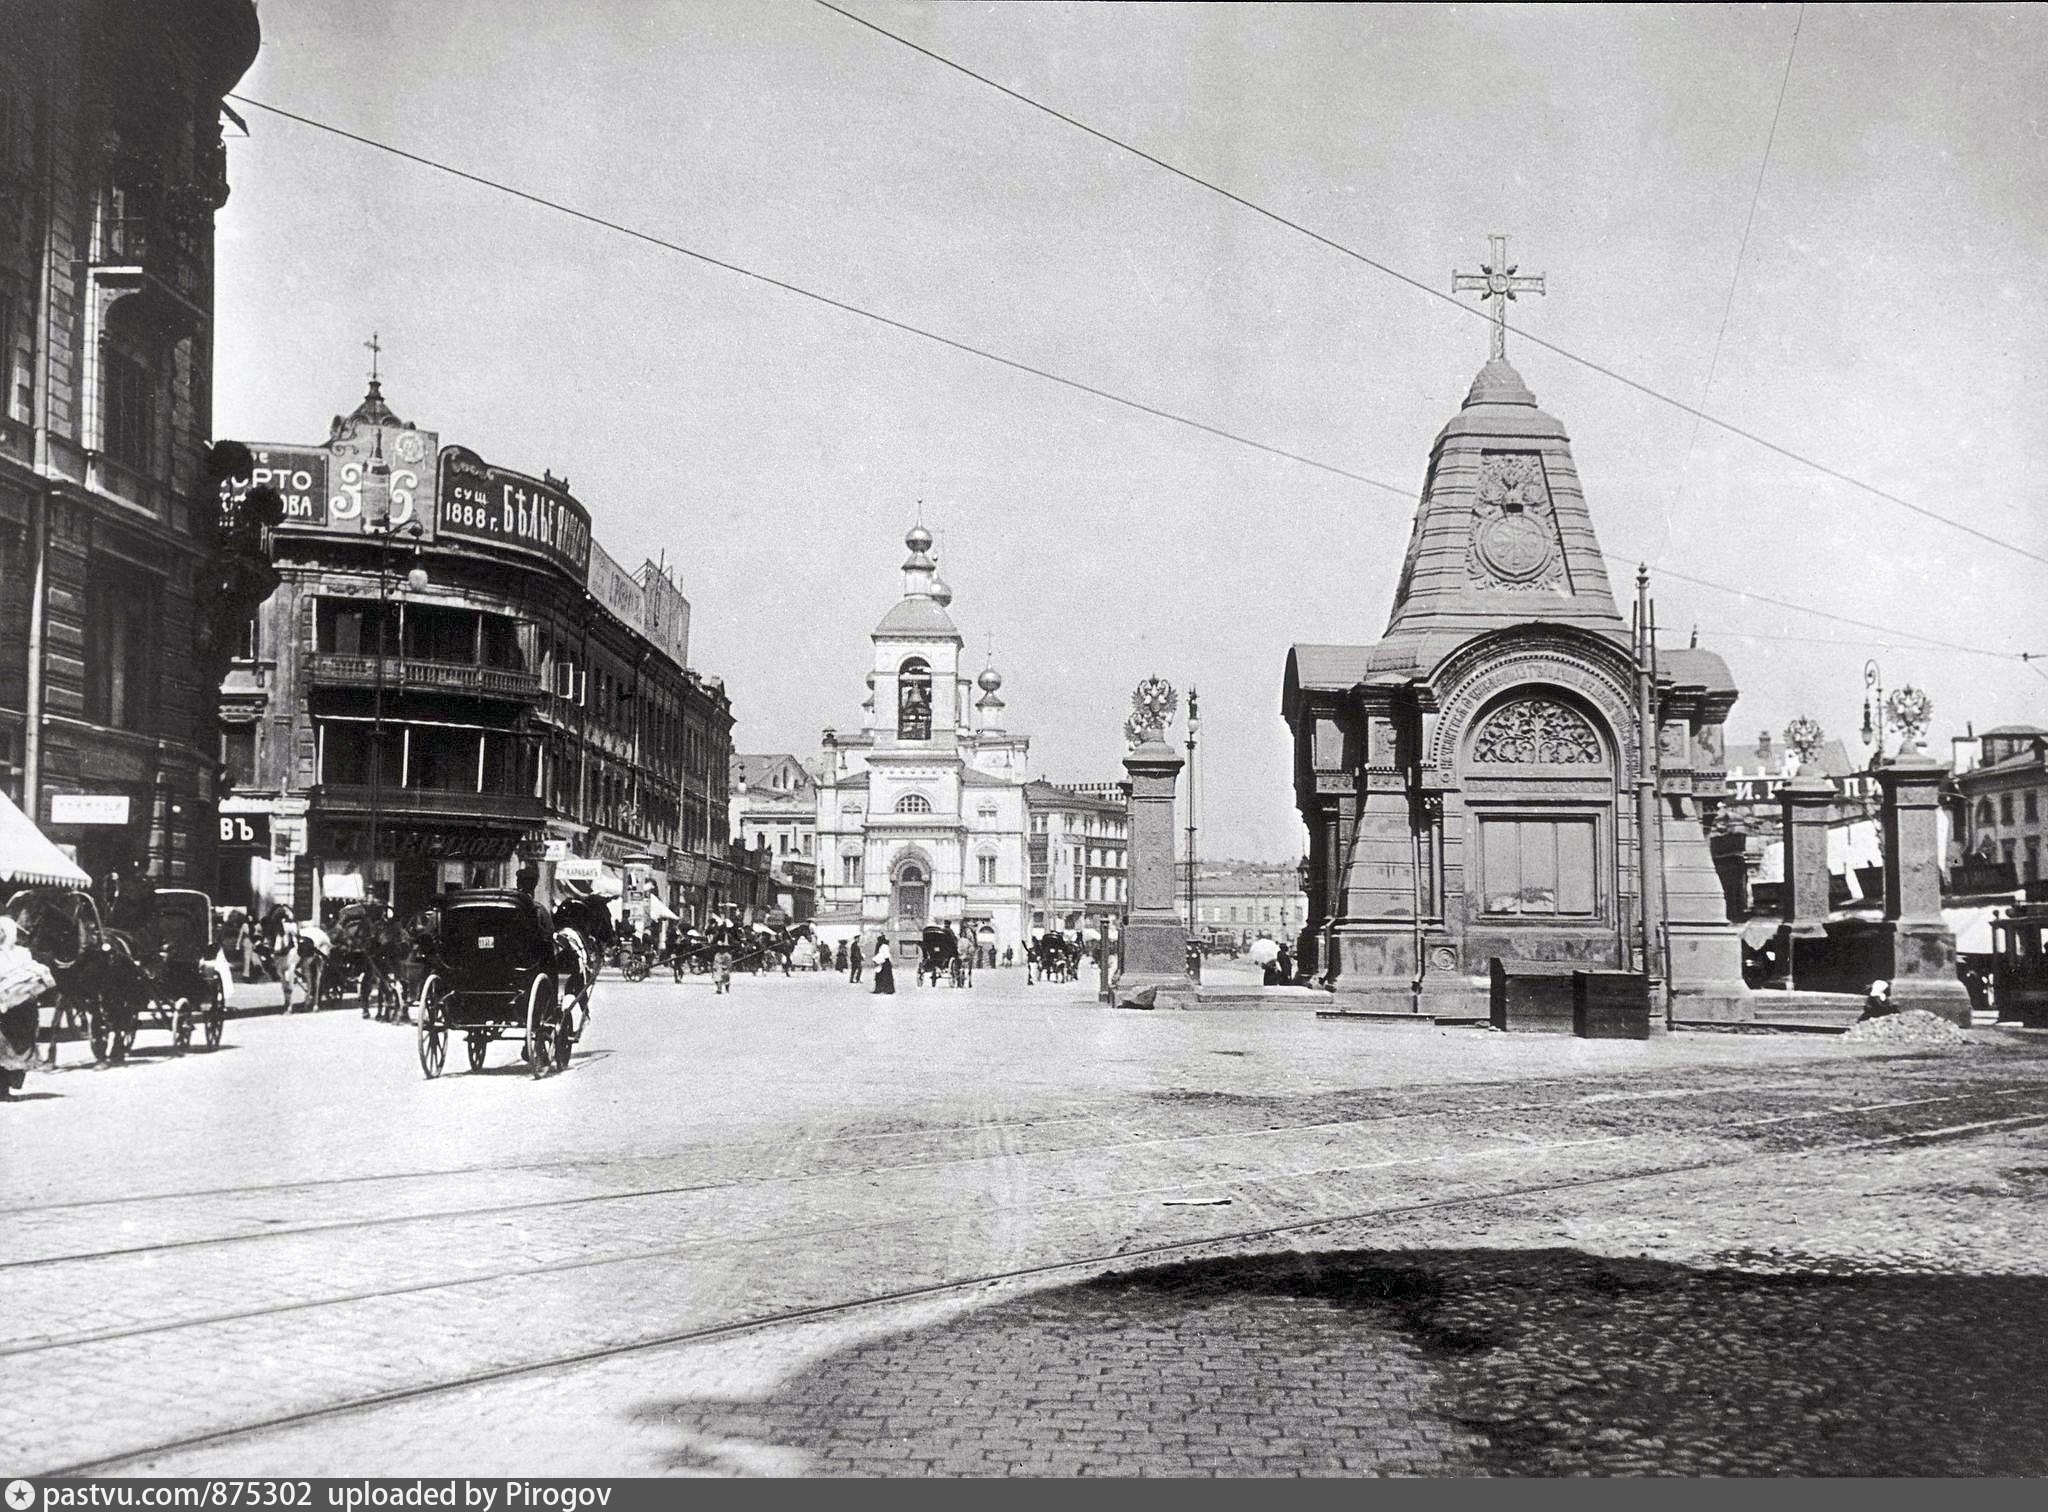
x=656 y=909
x=28 y=859
x=1972 y=928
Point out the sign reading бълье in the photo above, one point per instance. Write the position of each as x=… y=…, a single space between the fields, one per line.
x=479 y=502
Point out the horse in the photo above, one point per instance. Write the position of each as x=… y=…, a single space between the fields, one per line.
x=101 y=973
x=367 y=936
x=583 y=928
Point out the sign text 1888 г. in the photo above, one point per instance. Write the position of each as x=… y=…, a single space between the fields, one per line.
x=480 y=502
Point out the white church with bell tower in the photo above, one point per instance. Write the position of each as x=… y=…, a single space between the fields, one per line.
x=921 y=815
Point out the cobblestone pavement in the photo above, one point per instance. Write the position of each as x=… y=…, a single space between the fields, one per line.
x=1195 y=1243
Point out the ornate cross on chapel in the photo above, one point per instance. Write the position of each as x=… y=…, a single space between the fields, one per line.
x=1496 y=280
x=376 y=351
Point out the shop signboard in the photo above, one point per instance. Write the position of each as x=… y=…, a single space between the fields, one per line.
x=578 y=869
x=498 y=507
x=665 y=614
x=298 y=473
x=89 y=808
x=614 y=587
x=245 y=832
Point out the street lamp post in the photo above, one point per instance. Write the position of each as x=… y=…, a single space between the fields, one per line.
x=1194 y=729
x=416 y=578
x=1873 y=710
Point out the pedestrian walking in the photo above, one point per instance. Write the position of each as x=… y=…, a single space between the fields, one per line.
x=839 y=957
x=721 y=970
x=885 y=970
x=853 y=955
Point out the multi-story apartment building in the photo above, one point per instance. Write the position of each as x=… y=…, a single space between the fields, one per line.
x=118 y=584
x=775 y=812
x=2000 y=802
x=1079 y=846
x=453 y=677
x=1245 y=899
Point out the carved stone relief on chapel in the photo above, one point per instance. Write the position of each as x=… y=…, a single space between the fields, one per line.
x=1515 y=543
x=1537 y=730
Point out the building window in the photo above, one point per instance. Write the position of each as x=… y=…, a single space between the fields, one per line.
x=2033 y=806
x=914 y=700
x=121 y=640
x=913 y=803
x=1538 y=866
x=849 y=871
x=128 y=408
x=2005 y=808
x=238 y=755
x=985 y=870
x=2033 y=859
x=988 y=811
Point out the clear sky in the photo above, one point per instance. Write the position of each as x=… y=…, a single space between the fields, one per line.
x=1888 y=319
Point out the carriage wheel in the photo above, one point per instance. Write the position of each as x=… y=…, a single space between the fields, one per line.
x=478 y=1044
x=181 y=1024
x=564 y=1039
x=635 y=968
x=216 y=1016
x=540 y=1021
x=433 y=1032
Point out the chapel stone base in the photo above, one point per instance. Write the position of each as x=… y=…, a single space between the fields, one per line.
x=1706 y=976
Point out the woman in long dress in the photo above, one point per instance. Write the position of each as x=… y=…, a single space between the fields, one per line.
x=885 y=970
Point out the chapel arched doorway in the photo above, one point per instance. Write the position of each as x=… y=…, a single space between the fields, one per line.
x=910 y=897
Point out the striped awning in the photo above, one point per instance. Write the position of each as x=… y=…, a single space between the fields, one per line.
x=27 y=858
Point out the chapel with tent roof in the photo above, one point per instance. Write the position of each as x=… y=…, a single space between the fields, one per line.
x=1474 y=782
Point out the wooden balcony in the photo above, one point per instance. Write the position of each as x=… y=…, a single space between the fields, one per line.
x=409 y=673
x=394 y=801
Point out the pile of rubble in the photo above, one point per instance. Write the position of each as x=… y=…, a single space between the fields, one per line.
x=1916 y=1026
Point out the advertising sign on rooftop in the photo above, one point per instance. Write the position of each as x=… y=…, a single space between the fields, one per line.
x=378 y=474
x=298 y=473
x=479 y=502
x=614 y=587
x=665 y=614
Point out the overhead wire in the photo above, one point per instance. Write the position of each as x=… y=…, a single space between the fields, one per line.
x=1407 y=495
x=826 y=299
x=1434 y=292
x=1756 y=195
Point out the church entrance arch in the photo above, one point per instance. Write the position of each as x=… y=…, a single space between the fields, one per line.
x=910 y=898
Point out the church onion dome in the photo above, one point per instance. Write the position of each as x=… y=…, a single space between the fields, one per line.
x=919 y=540
x=989 y=700
x=1498 y=383
x=941 y=592
x=990 y=679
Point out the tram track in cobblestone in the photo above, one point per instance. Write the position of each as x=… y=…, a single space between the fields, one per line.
x=656 y=1193
x=840 y=1229
x=577 y=1163
x=1079 y=1267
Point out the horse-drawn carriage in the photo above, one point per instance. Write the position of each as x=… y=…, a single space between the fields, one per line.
x=496 y=973
x=158 y=965
x=939 y=957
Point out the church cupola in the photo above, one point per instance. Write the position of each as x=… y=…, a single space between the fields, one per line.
x=990 y=704
x=921 y=613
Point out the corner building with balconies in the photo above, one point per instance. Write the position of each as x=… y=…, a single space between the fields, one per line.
x=118 y=587
x=454 y=679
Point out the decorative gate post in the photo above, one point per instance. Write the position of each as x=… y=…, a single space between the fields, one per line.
x=1803 y=899
x=1155 y=946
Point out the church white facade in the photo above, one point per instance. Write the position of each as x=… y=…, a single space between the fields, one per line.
x=921 y=816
